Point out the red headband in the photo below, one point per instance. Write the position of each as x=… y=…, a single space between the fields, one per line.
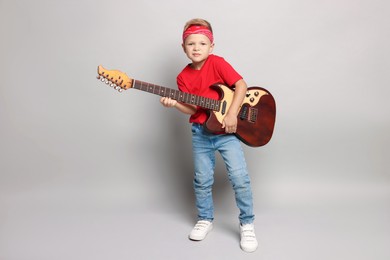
x=198 y=29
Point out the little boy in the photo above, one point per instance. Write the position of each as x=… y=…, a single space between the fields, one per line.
x=205 y=70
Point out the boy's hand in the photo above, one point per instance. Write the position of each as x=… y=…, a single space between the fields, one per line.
x=168 y=102
x=230 y=123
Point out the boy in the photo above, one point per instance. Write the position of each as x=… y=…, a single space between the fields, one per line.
x=205 y=70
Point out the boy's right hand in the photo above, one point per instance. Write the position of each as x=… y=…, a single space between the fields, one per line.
x=168 y=102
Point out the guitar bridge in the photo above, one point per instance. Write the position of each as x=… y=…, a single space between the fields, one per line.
x=249 y=114
x=252 y=114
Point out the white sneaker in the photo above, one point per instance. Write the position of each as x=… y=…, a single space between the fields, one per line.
x=248 y=241
x=199 y=232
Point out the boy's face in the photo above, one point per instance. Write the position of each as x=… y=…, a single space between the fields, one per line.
x=197 y=48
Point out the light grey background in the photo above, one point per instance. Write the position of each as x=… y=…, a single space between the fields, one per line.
x=88 y=173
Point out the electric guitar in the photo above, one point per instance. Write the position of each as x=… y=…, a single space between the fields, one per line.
x=255 y=121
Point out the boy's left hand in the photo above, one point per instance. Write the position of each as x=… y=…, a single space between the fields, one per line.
x=230 y=123
x=168 y=102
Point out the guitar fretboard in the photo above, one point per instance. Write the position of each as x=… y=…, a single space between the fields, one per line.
x=177 y=95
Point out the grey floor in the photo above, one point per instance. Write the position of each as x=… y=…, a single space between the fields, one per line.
x=323 y=223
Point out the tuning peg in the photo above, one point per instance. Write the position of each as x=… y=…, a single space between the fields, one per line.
x=120 y=90
x=98 y=76
x=112 y=85
x=102 y=79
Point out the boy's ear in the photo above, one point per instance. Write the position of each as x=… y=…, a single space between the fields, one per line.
x=182 y=45
x=211 y=48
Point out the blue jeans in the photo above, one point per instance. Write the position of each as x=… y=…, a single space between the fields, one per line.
x=204 y=146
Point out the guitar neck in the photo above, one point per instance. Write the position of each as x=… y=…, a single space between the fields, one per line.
x=177 y=95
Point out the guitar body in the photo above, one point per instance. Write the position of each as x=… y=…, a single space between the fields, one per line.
x=256 y=119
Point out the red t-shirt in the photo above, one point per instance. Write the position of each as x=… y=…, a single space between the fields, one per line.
x=198 y=82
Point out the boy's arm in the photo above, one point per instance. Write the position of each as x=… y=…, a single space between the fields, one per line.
x=230 y=120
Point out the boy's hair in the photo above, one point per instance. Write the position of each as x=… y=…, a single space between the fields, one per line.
x=197 y=21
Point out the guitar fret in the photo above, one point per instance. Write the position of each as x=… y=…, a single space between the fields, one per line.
x=156 y=89
x=172 y=94
x=186 y=99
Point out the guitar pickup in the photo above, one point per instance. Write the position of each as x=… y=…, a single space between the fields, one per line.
x=244 y=113
x=224 y=104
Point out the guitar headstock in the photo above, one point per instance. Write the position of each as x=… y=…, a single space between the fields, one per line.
x=115 y=79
